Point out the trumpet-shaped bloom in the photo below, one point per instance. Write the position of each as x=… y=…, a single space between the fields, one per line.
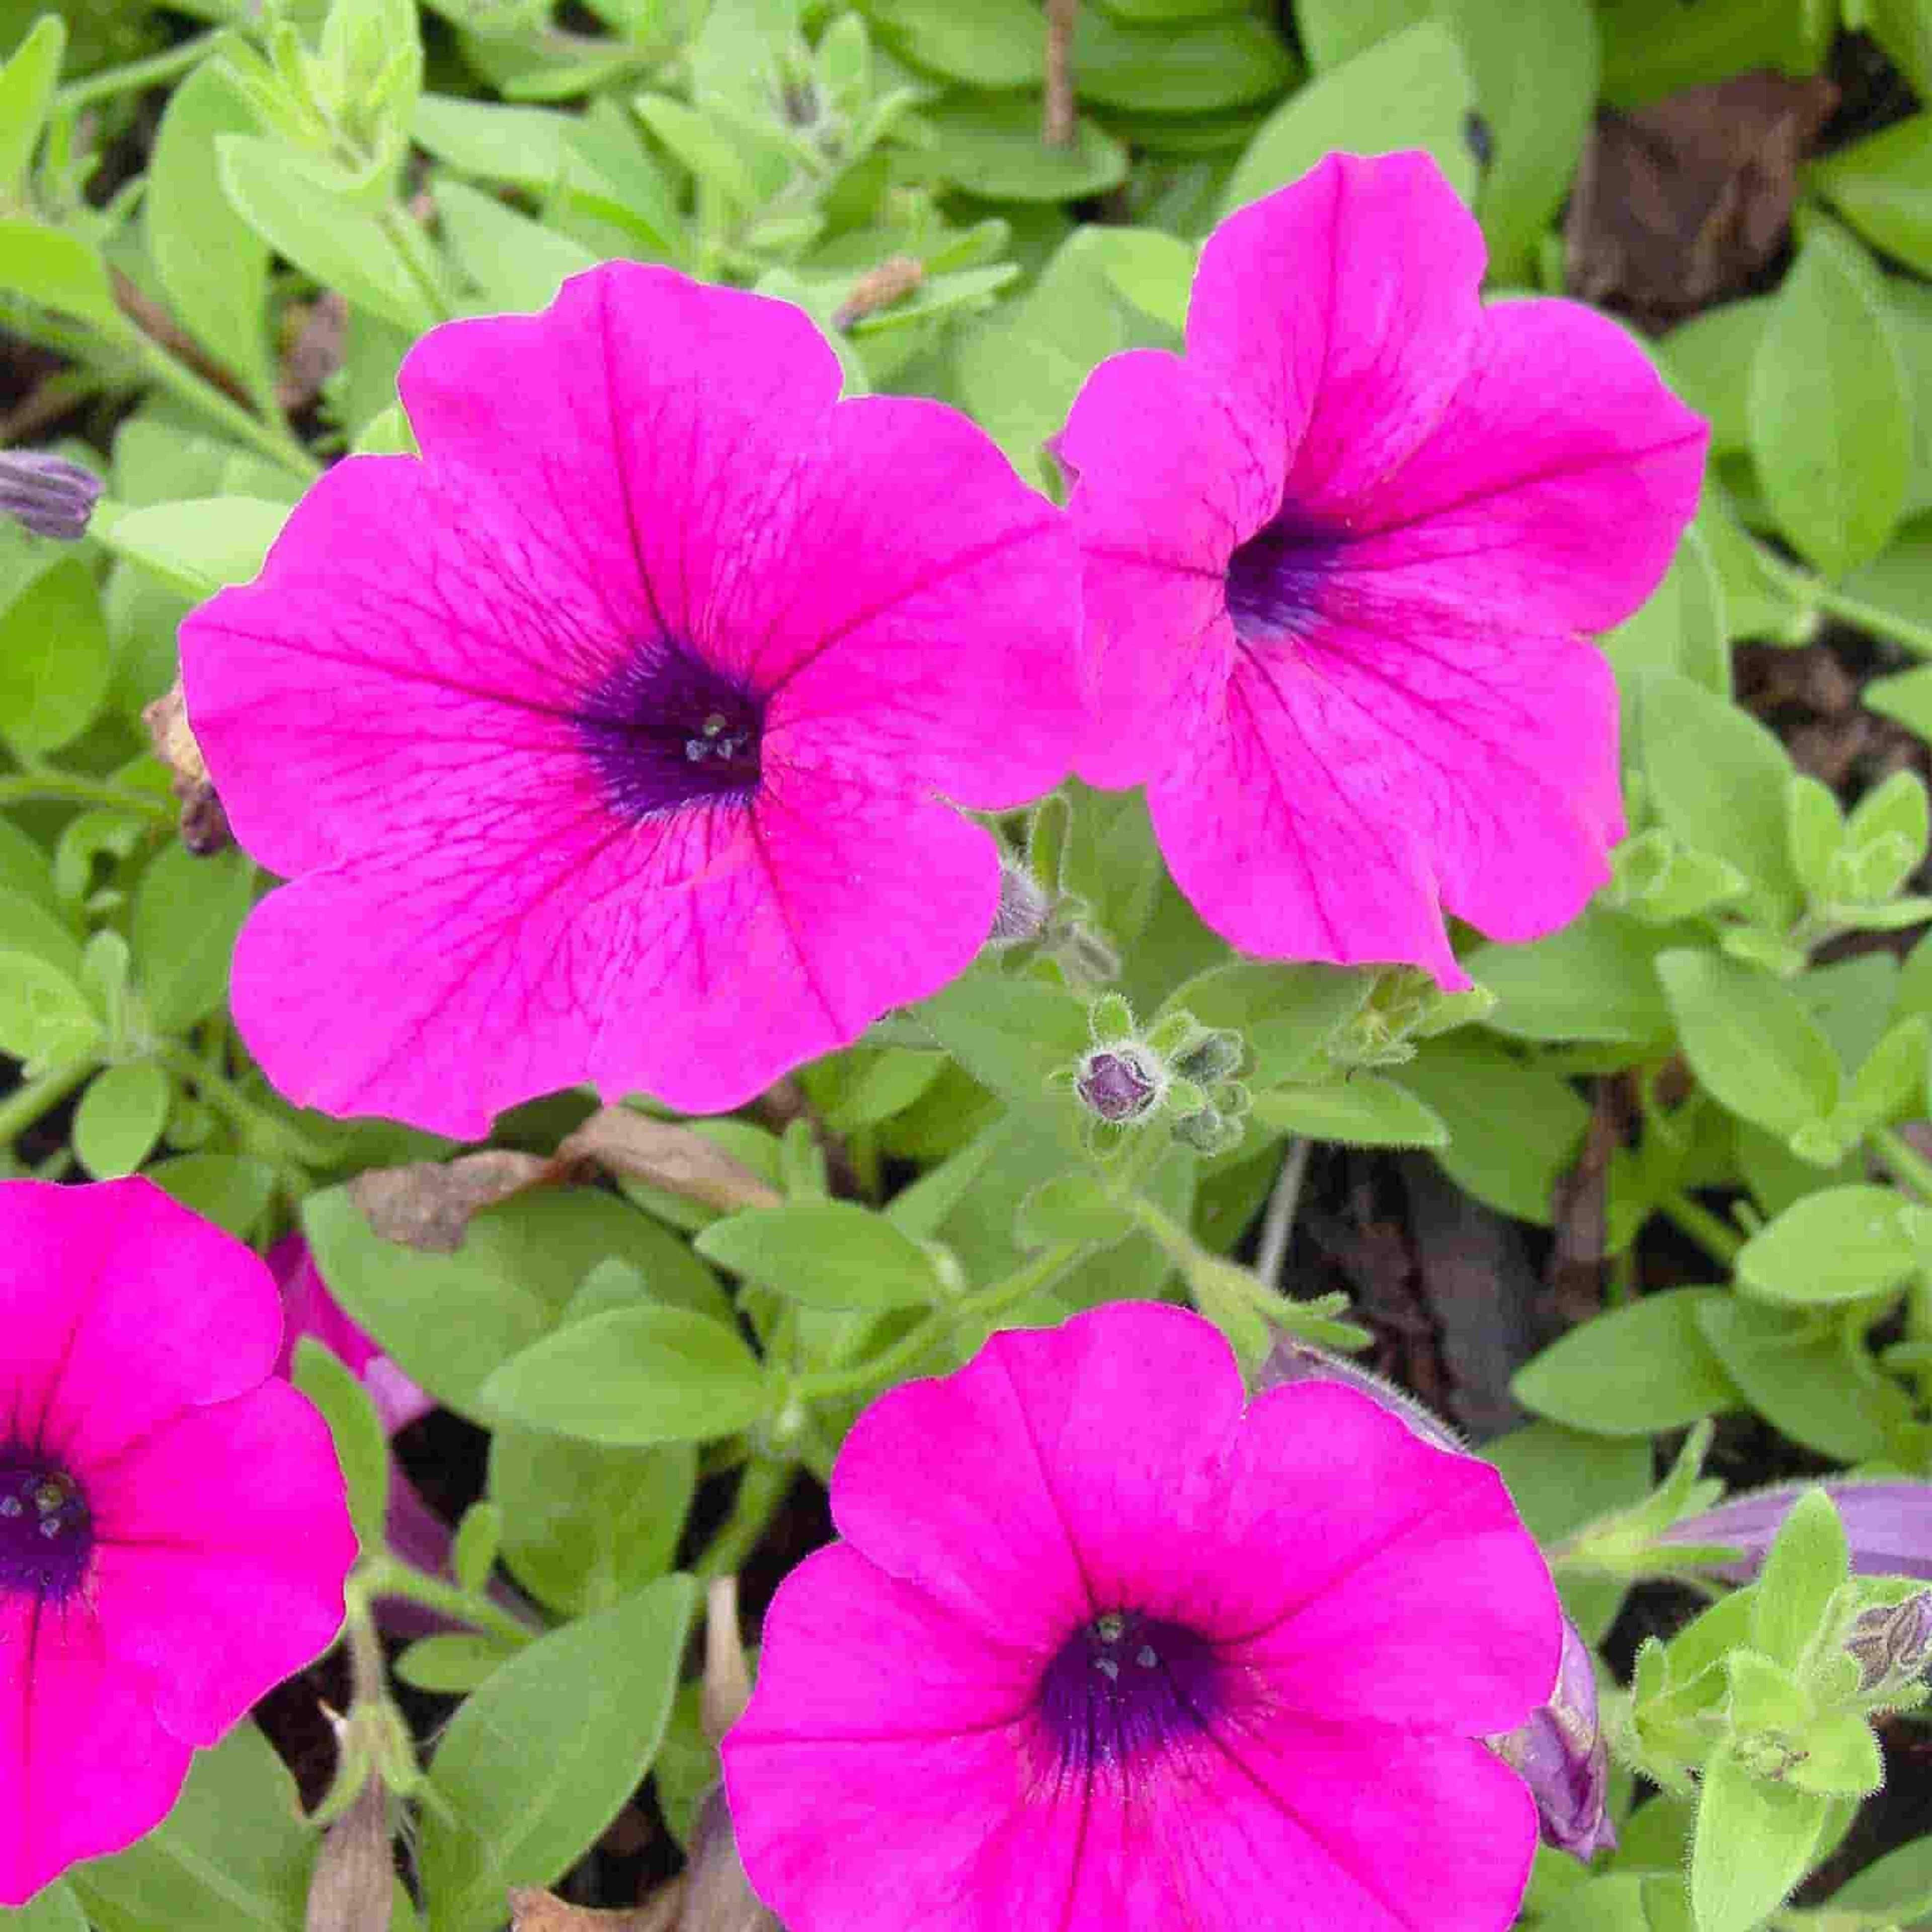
x=1342 y=561
x=1103 y=1650
x=174 y=1535
x=620 y=737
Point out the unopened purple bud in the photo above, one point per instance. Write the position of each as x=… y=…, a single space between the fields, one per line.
x=1889 y=1526
x=1892 y=1642
x=1560 y=1753
x=47 y=494
x=1116 y=1086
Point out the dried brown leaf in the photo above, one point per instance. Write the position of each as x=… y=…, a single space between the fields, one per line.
x=428 y=1204
x=718 y=1896
x=204 y=825
x=1680 y=204
x=533 y=1910
x=677 y=1159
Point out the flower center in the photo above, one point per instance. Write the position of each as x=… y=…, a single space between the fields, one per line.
x=1125 y=1685
x=1275 y=579
x=46 y=1534
x=665 y=730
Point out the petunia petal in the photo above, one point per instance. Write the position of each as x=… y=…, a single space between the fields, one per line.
x=1562 y=433
x=1335 y=787
x=85 y=1767
x=1169 y=481
x=90 y=1366
x=941 y=651
x=1051 y=1478
x=221 y=1542
x=1312 y=1827
x=1339 y=316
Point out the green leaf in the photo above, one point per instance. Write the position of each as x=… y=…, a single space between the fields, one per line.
x=201 y=545
x=1750 y=1042
x=520 y=1263
x=1286 y=1012
x=1792 y=1599
x=1753 y=1843
x=1411 y=90
x=634 y=1376
x=824 y=1254
x=1801 y=1379
x=993 y=43
x=1896 y=1888
x=53 y=1908
x=119 y=1120
x=1839 y=1244
x=1211 y=68
x=1335 y=31
x=361 y=1446
x=1841 y=1758
x=1830 y=420
x=1709 y=360
x=233 y=1855
x=212 y=266
x=453 y=1663
x=992 y=147
x=26 y=92
x=59 y=271
x=1364 y=1110
x=46 y=1019
x=536 y=1764
x=187 y=912
x=1075 y=1207
x=30 y=926
x=1655 y=47
x=302 y=211
x=1010 y=1033
x=1883 y=186
x=479 y=1536
x=584 y=1524
x=1717 y=779
x=1680 y=627
x=232 y=1190
x=1632 y=1371
x=518 y=264
x=55 y=660
x=1513 y=1128
x=1595 y=978
x=703 y=145
x=1535 y=73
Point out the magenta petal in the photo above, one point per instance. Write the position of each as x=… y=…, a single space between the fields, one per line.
x=85 y=1769
x=1171 y=485
x=1562 y=434
x=222 y=1540
x=1048 y=1479
x=92 y=1364
x=1339 y=315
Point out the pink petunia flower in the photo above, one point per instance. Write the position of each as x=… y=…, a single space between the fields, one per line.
x=1103 y=1651
x=1342 y=561
x=620 y=738
x=174 y=1535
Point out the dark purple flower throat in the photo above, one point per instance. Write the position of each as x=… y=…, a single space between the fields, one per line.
x=664 y=729
x=1125 y=1685
x=1275 y=579
x=46 y=1534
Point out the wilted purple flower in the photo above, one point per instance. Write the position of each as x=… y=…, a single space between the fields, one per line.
x=1560 y=1754
x=1116 y=1086
x=1558 y=1751
x=1888 y=1525
x=47 y=494
x=1892 y=1642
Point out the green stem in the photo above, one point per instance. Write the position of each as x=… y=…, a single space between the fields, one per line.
x=1817 y=595
x=222 y=1093
x=134 y=74
x=71 y=788
x=26 y=1104
x=389 y=1576
x=906 y=1353
x=1905 y=1162
x=405 y=234
x=272 y=439
x=763 y=1486
x=1722 y=1243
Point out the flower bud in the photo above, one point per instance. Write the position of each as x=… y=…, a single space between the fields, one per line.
x=1892 y=1643
x=1116 y=1086
x=47 y=494
x=1023 y=907
x=1888 y=1525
